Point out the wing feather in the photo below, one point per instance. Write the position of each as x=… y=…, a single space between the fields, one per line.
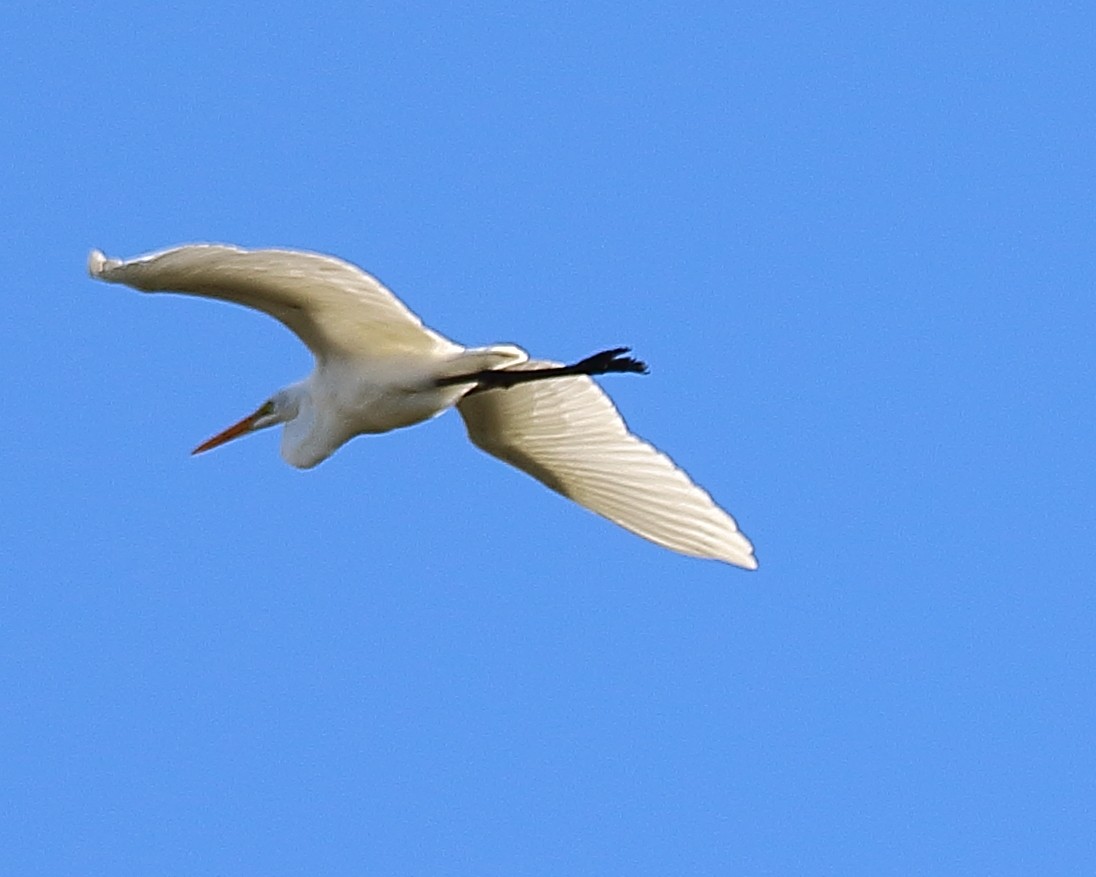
x=567 y=433
x=334 y=307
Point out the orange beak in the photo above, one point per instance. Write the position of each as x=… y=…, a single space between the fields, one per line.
x=235 y=431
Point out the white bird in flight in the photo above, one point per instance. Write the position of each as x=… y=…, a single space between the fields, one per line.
x=379 y=368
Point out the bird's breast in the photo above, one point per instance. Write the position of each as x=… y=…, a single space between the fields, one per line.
x=334 y=415
x=395 y=409
x=382 y=399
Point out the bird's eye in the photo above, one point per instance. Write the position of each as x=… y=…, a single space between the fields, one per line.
x=266 y=409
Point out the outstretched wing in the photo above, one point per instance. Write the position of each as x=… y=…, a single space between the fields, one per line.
x=567 y=433
x=333 y=307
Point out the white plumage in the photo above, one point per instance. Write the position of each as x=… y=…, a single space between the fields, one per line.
x=378 y=368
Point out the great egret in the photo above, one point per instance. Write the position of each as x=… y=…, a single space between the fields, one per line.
x=378 y=368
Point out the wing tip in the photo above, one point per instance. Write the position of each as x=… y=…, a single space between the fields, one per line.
x=99 y=266
x=739 y=552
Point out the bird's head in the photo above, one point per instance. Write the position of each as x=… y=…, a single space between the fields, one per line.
x=279 y=408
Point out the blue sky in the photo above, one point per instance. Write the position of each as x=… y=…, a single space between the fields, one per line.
x=855 y=244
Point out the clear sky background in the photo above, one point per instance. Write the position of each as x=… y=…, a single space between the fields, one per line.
x=855 y=243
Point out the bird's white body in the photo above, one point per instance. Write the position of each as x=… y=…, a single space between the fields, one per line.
x=378 y=369
x=345 y=397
